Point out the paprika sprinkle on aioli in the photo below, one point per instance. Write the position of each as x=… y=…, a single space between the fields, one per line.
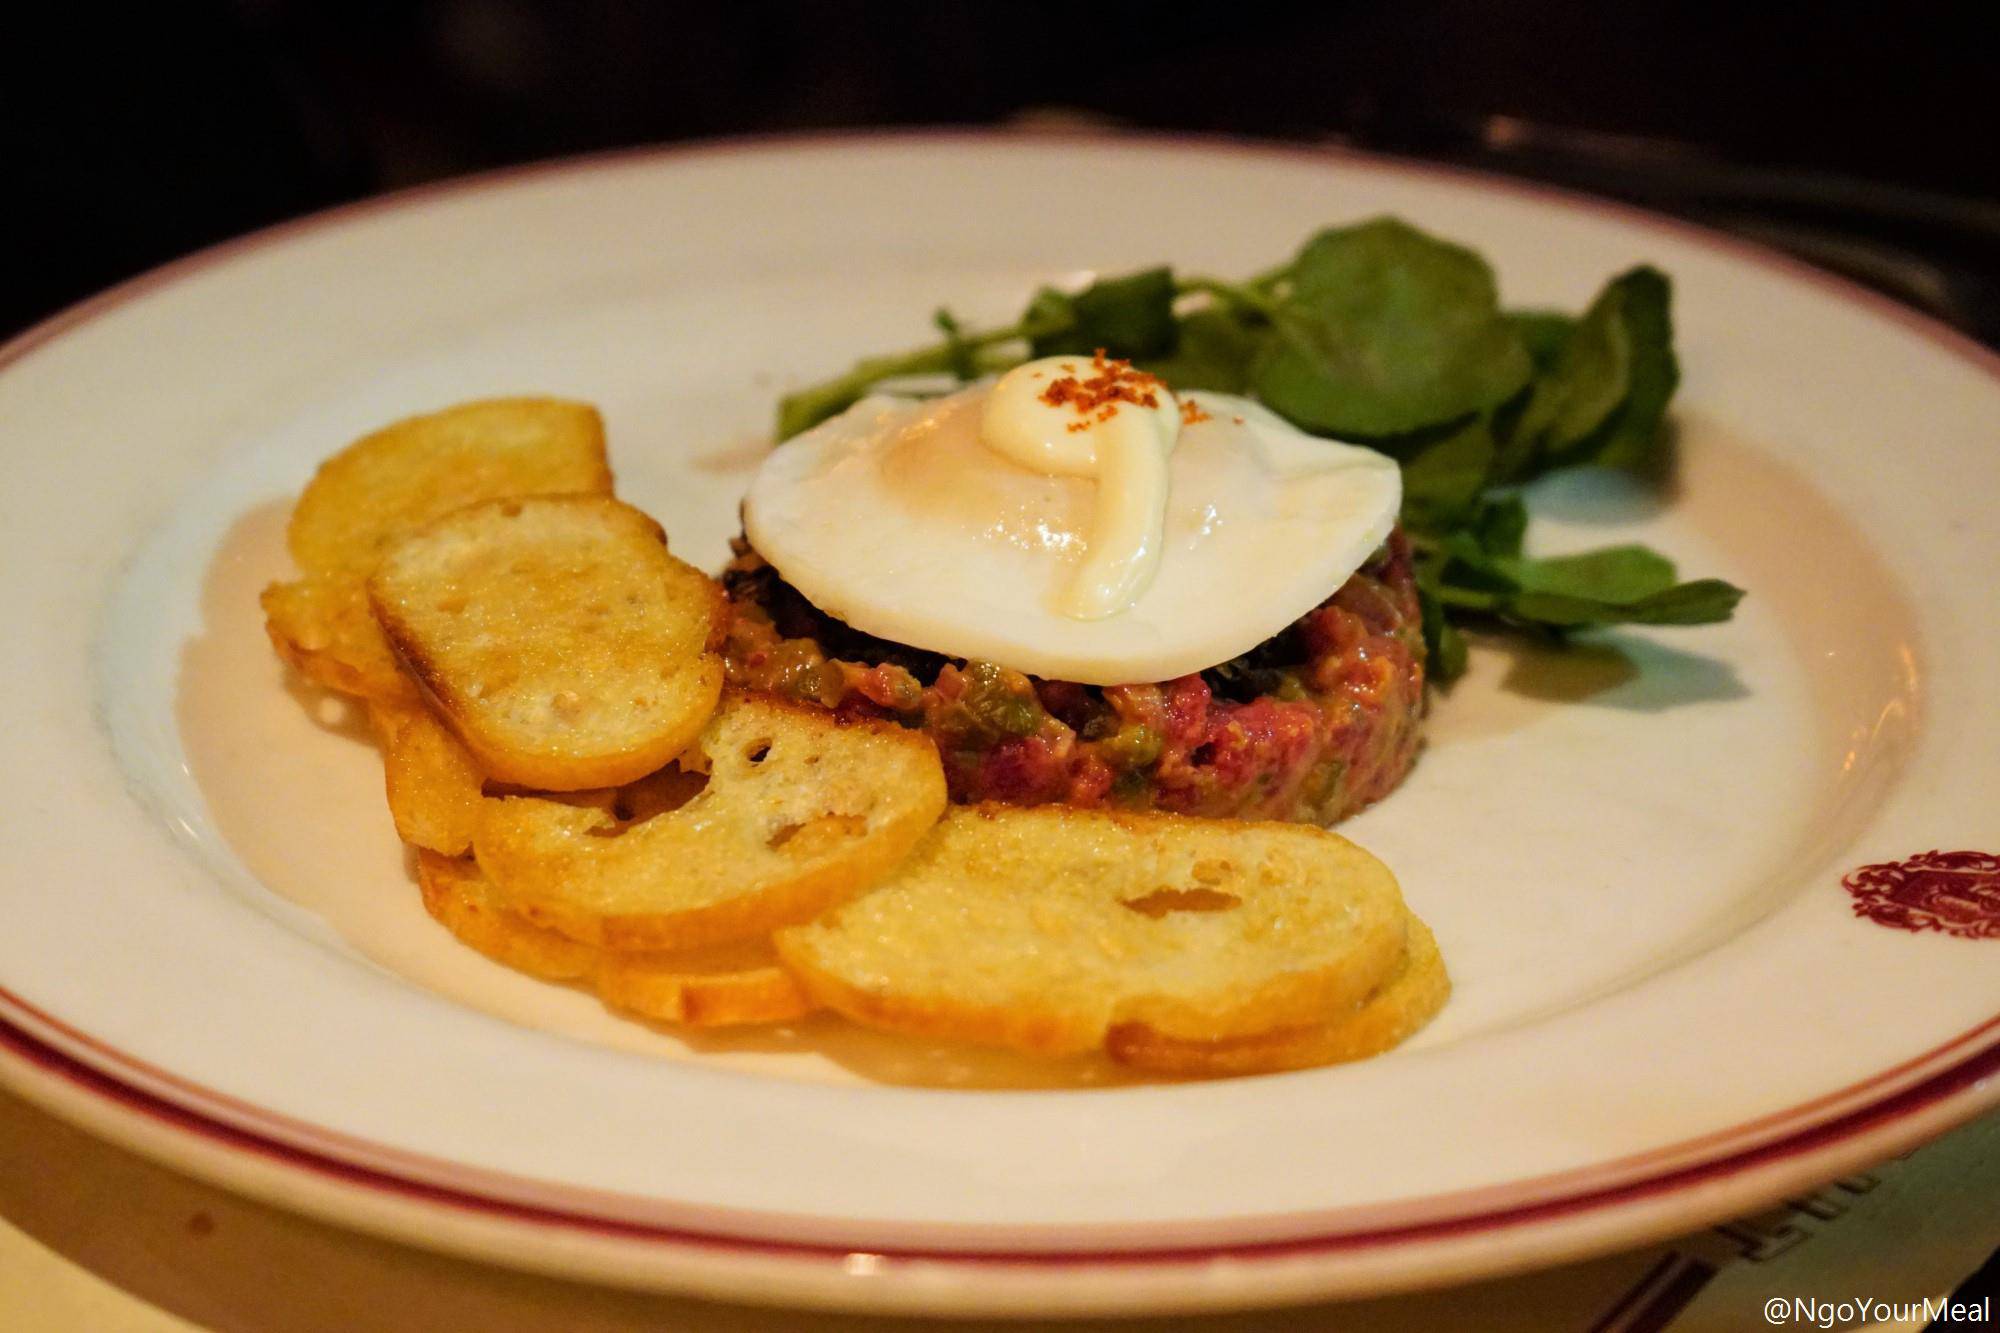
x=1097 y=398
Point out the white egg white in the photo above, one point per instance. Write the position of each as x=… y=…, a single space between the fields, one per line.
x=894 y=518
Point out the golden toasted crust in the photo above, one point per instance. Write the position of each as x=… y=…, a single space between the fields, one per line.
x=421 y=468
x=801 y=810
x=458 y=897
x=556 y=637
x=394 y=481
x=1406 y=1000
x=322 y=625
x=725 y=986
x=434 y=784
x=1042 y=929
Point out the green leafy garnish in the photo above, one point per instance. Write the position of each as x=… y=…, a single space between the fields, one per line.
x=1543 y=333
x=1616 y=585
x=959 y=354
x=1379 y=330
x=1134 y=314
x=1631 y=435
x=1602 y=384
x=1380 y=334
x=1444 y=478
x=1214 y=352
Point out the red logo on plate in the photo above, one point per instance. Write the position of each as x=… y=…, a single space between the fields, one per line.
x=1955 y=892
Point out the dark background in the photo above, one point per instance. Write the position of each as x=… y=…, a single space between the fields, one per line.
x=1862 y=138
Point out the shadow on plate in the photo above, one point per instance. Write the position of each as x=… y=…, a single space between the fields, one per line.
x=1612 y=495
x=1614 y=671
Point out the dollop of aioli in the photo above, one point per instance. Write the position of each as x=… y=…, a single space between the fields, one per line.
x=1098 y=418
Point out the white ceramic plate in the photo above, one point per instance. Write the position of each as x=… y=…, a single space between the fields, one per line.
x=1633 y=855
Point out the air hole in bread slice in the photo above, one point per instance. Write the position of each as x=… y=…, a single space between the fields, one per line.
x=1164 y=900
x=630 y=805
x=816 y=835
x=648 y=798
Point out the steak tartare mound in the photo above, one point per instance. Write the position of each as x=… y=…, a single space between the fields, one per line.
x=1311 y=725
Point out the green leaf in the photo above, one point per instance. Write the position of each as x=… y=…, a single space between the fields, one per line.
x=1382 y=330
x=1696 y=602
x=1500 y=524
x=1618 y=585
x=1214 y=352
x=1701 y=602
x=1616 y=574
x=1589 y=379
x=1543 y=333
x=1451 y=654
x=1634 y=435
x=1443 y=479
x=1601 y=387
x=958 y=352
x=1053 y=313
x=1444 y=646
x=1129 y=317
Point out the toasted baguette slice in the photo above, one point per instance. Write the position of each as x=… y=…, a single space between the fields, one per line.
x=458 y=898
x=1043 y=928
x=801 y=810
x=725 y=986
x=323 y=626
x=434 y=785
x=556 y=637
x=393 y=482
x=1409 y=998
x=403 y=476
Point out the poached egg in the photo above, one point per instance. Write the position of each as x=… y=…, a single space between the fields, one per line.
x=1158 y=538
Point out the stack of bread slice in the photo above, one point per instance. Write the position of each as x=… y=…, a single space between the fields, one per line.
x=589 y=803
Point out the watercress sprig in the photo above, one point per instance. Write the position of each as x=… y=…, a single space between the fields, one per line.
x=1380 y=334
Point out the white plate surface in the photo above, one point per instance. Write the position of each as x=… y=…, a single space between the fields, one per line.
x=1632 y=854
